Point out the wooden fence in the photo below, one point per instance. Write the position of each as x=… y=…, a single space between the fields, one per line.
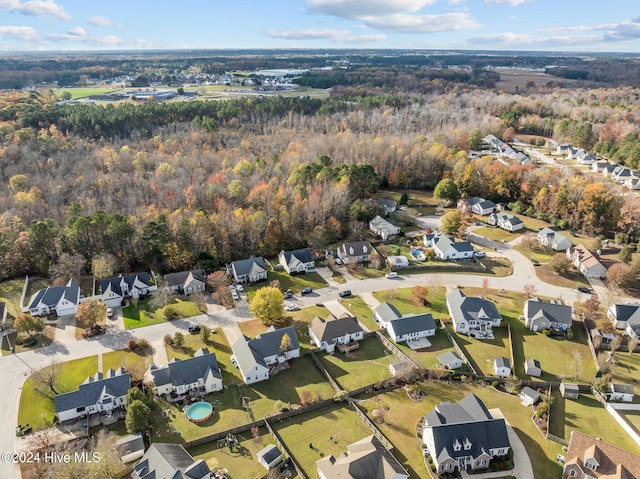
x=395 y=350
x=326 y=374
x=385 y=442
x=284 y=449
x=458 y=348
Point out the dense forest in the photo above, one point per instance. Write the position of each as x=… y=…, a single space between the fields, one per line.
x=178 y=184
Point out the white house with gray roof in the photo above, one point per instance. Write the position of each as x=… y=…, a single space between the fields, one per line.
x=502 y=367
x=250 y=270
x=170 y=461
x=552 y=239
x=477 y=205
x=200 y=373
x=383 y=228
x=256 y=358
x=540 y=315
x=115 y=290
x=186 y=282
x=61 y=300
x=405 y=327
x=96 y=394
x=356 y=252
x=464 y=435
x=450 y=360
x=506 y=221
x=625 y=316
x=473 y=316
x=328 y=333
x=365 y=459
x=446 y=247
x=297 y=261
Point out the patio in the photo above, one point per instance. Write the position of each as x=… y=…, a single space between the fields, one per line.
x=419 y=343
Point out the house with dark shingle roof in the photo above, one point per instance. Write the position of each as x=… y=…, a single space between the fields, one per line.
x=404 y=327
x=388 y=204
x=464 y=435
x=477 y=205
x=186 y=282
x=589 y=457
x=256 y=358
x=365 y=459
x=297 y=261
x=329 y=332
x=201 y=373
x=170 y=461
x=473 y=316
x=96 y=394
x=356 y=252
x=506 y=221
x=540 y=315
x=250 y=270
x=115 y=290
x=61 y=300
x=626 y=316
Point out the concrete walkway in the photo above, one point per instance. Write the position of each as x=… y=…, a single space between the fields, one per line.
x=159 y=353
x=66 y=329
x=335 y=307
x=370 y=300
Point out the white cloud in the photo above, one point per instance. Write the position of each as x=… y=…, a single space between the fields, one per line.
x=37 y=8
x=79 y=31
x=99 y=21
x=356 y=9
x=404 y=23
x=24 y=34
x=97 y=41
x=512 y=3
x=336 y=36
x=398 y=16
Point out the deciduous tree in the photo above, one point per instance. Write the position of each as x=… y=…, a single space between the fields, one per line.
x=90 y=313
x=621 y=275
x=451 y=222
x=446 y=189
x=25 y=323
x=267 y=305
x=137 y=419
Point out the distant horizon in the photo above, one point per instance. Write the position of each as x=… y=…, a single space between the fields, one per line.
x=569 y=26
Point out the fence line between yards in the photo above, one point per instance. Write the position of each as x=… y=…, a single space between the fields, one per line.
x=395 y=350
x=592 y=348
x=513 y=358
x=284 y=449
x=385 y=442
x=324 y=371
x=25 y=288
x=459 y=350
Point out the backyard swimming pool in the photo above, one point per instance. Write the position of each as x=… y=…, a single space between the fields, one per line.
x=199 y=412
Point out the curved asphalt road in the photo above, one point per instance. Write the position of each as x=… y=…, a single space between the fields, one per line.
x=15 y=368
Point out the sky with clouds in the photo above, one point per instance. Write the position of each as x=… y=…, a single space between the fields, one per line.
x=558 y=25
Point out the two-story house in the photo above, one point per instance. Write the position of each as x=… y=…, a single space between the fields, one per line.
x=61 y=300
x=589 y=457
x=330 y=332
x=473 y=316
x=356 y=252
x=552 y=239
x=200 y=373
x=250 y=270
x=115 y=290
x=540 y=315
x=297 y=261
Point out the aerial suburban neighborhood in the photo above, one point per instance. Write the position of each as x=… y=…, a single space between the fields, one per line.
x=331 y=264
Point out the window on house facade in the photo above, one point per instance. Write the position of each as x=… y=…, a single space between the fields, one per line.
x=445 y=467
x=591 y=464
x=572 y=473
x=457 y=446
x=467 y=444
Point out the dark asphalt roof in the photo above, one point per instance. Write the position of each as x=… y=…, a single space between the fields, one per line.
x=412 y=324
x=90 y=391
x=179 y=279
x=116 y=283
x=332 y=327
x=188 y=371
x=552 y=312
x=170 y=461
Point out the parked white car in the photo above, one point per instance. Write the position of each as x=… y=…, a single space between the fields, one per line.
x=391 y=275
x=292 y=307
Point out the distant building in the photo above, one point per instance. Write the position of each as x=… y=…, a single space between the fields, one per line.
x=170 y=461
x=382 y=228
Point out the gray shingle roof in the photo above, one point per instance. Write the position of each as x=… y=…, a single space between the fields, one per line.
x=358 y=248
x=471 y=309
x=52 y=295
x=448 y=357
x=468 y=420
x=552 y=312
x=130 y=279
x=502 y=362
x=387 y=312
x=626 y=312
x=170 y=461
x=330 y=328
x=243 y=267
x=182 y=277
x=187 y=371
x=531 y=393
x=90 y=391
x=268 y=343
x=412 y=324
x=303 y=255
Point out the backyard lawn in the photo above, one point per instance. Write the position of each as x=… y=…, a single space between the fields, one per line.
x=482 y=352
x=11 y=292
x=295 y=283
x=367 y=365
x=243 y=461
x=141 y=314
x=587 y=415
x=627 y=370
x=330 y=429
x=38 y=409
x=428 y=357
x=572 y=279
x=126 y=359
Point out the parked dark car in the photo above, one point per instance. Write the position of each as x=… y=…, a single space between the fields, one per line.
x=584 y=289
x=288 y=294
x=195 y=329
x=306 y=290
x=345 y=294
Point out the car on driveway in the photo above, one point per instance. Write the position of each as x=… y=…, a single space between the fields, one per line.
x=240 y=288
x=110 y=313
x=584 y=289
x=480 y=254
x=345 y=294
x=194 y=329
x=337 y=261
x=292 y=307
x=235 y=295
x=288 y=294
x=306 y=291
x=391 y=275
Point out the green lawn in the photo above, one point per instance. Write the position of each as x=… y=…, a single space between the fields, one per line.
x=587 y=415
x=361 y=310
x=367 y=365
x=126 y=359
x=141 y=314
x=572 y=279
x=82 y=92
x=402 y=299
x=428 y=357
x=37 y=408
x=497 y=234
x=632 y=417
x=11 y=291
x=481 y=353
x=330 y=429
x=295 y=283
x=288 y=388
x=627 y=370
x=242 y=462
